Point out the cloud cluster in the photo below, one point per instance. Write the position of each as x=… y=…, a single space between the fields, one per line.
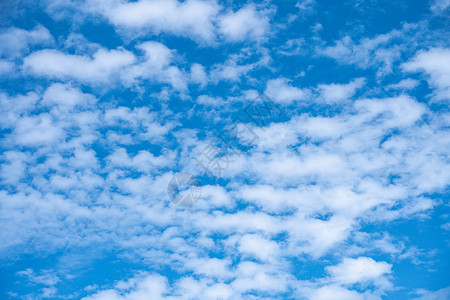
x=204 y=21
x=94 y=133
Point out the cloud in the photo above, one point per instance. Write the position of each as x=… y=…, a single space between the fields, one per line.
x=198 y=75
x=46 y=278
x=245 y=24
x=282 y=92
x=101 y=67
x=334 y=93
x=192 y=18
x=141 y=288
x=359 y=270
x=204 y=21
x=436 y=295
x=293 y=47
x=15 y=107
x=6 y=67
x=110 y=66
x=16 y=42
x=65 y=96
x=333 y=292
x=305 y=5
x=258 y=247
x=37 y=130
x=210 y=101
x=95 y=131
x=237 y=66
x=157 y=66
x=380 y=51
x=430 y=62
x=404 y=84
x=439 y=6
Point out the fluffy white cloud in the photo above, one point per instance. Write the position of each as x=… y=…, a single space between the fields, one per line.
x=436 y=295
x=404 y=84
x=334 y=93
x=305 y=5
x=46 y=278
x=143 y=287
x=245 y=24
x=6 y=66
x=64 y=96
x=157 y=66
x=192 y=18
x=333 y=292
x=359 y=270
x=15 y=41
x=99 y=68
x=431 y=62
x=204 y=21
x=259 y=247
x=110 y=66
x=381 y=51
x=79 y=171
x=239 y=65
x=282 y=92
x=198 y=74
x=37 y=130
x=440 y=6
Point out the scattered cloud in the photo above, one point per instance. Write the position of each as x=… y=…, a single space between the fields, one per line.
x=105 y=102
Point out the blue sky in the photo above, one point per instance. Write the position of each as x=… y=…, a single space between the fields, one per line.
x=322 y=127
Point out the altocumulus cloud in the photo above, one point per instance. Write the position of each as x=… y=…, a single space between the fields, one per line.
x=318 y=134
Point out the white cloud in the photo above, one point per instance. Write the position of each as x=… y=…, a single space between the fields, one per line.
x=144 y=161
x=211 y=267
x=259 y=247
x=431 y=62
x=46 y=277
x=381 y=51
x=6 y=66
x=395 y=112
x=370 y=276
x=404 y=84
x=65 y=96
x=247 y=23
x=305 y=5
x=110 y=66
x=157 y=67
x=91 y=172
x=14 y=107
x=198 y=75
x=439 y=6
x=143 y=287
x=240 y=65
x=103 y=65
x=230 y=71
x=214 y=196
x=210 y=101
x=282 y=92
x=14 y=166
x=204 y=21
x=333 y=292
x=436 y=295
x=37 y=130
x=334 y=93
x=158 y=55
x=15 y=41
x=143 y=122
x=192 y=18
x=359 y=270
x=293 y=47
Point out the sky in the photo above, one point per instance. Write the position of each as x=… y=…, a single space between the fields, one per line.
x=207 y=149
